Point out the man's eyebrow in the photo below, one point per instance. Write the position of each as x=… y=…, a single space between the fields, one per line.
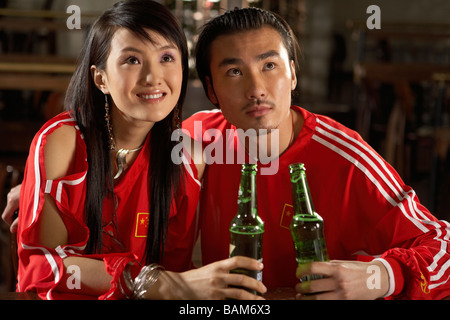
x=232 y=61
x=268 y=54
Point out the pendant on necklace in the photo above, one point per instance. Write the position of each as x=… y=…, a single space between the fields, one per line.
x=121 y=160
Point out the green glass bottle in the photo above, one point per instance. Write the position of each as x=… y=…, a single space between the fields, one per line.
x=306 y=225
x=247 y=228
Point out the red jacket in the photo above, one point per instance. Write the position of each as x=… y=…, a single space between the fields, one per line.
x=41 y=268
x=367 y=209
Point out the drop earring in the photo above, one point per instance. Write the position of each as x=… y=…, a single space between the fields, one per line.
x=178 y=123
x=177 y=130
x=112 y=145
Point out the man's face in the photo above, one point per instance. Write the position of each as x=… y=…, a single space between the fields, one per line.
x=252 y=78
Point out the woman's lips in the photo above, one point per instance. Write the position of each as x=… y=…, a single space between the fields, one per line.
x=151 y=97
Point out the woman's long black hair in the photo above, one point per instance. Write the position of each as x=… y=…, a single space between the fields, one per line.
x=86 y=102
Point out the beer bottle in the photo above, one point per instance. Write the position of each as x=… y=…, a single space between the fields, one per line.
x=307 y=225
x=247 y=228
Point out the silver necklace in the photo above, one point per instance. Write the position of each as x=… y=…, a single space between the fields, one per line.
x=121 y=160
x=121 y=155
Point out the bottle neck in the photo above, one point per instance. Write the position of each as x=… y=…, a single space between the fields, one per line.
x=301 y=196
x=247 y=200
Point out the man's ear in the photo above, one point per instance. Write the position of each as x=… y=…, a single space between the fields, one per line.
x=211 y=94
x=99 y=77
x=294 y=76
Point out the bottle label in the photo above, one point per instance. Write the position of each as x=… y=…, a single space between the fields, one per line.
x=311 y=277
x=259 y=273
x=232 y=246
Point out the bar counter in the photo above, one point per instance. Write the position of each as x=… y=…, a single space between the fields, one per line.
x=285 y=293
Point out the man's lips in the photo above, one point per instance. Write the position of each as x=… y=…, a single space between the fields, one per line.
x=258 y=110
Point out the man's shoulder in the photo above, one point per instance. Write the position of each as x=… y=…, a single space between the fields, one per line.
x=319 y=122
x=213 y=114
x=206 y=119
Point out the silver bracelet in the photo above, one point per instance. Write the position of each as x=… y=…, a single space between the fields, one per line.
x=126 y=282
x=137 y=287
x=145 y=279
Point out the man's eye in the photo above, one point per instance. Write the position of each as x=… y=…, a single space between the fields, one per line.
x=269 y=66
x=234 y=72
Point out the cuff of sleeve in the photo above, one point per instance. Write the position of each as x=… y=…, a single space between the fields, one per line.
x=115 y=266
x=396 y=280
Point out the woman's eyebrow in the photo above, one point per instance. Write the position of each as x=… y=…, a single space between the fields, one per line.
x=133 y=49
x=160 y=48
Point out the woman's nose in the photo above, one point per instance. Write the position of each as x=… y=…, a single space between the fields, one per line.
x=152 y=74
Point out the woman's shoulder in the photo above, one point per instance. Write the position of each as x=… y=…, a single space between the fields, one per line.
x=58 y=120
x=60 y=145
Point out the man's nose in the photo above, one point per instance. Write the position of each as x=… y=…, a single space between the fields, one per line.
x=255 y=86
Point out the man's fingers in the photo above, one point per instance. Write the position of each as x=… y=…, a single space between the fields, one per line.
x=320 y=268
x=315 y=286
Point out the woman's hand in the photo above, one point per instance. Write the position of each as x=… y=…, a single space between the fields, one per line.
x=212 y=281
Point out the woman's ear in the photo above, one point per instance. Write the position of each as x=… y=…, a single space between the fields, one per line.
x=100 y=79
x=211 y=94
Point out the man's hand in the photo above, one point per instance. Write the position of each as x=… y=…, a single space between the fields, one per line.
x=350 y=280
x=12 y=204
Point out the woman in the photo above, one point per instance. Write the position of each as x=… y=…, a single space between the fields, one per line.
x=99 y=186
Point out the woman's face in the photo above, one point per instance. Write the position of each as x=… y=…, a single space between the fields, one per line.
x=143 y=78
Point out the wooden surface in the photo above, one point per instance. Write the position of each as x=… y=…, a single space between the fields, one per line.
x=272 y=294
x=284 y=293
x=18 y=296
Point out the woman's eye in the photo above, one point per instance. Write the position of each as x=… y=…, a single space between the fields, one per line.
x=234 y=72
x=167 y=58
x=133 y=60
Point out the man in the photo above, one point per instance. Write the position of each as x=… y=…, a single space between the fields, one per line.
x=246 y=60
